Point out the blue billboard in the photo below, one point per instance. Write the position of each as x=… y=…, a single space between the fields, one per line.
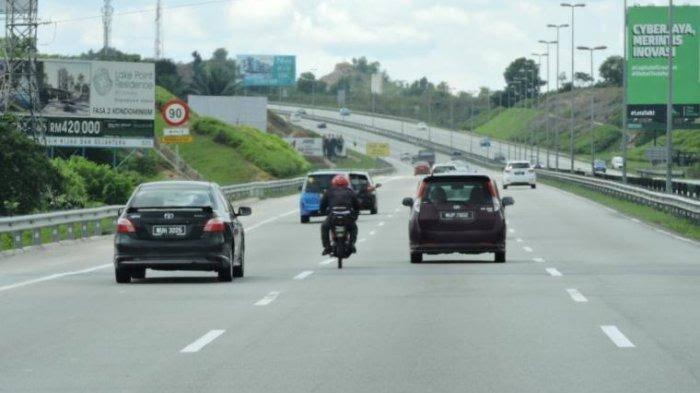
x=268 y=70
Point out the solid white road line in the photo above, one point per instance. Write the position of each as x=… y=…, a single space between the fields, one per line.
x=616 y=336
x=303 y=275
x=538 y=259
x=53 y=277
x=372 y=232
x=519 y=240
x=576 y=295
x=202 y=341
x=327 y=261
x=635 y=220
x=528 y=249
x=269 y=220
x=553 y=272
x=269 y=298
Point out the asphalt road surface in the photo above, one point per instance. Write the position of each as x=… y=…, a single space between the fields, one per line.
x=589 y=301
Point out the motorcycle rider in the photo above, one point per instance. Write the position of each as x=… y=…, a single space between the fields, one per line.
x=340 y=194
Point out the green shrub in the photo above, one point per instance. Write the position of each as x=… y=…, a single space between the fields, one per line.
x=102 y=183
x=268 y=152
x=74 y=194
x=28 y=178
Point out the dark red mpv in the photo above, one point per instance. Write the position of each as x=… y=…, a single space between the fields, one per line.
x=457 y=213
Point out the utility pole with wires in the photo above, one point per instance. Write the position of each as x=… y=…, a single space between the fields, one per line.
x=107 y=11
x=20 y=73
x=159 y=41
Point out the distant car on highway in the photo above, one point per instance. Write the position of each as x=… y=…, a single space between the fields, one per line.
x=365 y=187
x=519 y=173
x=295 y=118
x=599 y=166
x=443 y=168
x=422 y=126
x=344 y=112
x=486 y=142
x=300 y=111
x=456 y=156
x=322 y=125
x=406 y=156
x=617 y=162
x=424 y=155
x=500 y=157
x=457 y=213
x=315 y=184
x=421 y=168
x=179 y=225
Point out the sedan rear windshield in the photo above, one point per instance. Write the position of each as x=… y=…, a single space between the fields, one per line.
x=359 y=182
x=444 y=168
x=519 y=165
x=318 y=183
x=173 y=197
x=457 y=191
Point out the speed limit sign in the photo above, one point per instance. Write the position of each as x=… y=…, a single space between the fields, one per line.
x=176 y=112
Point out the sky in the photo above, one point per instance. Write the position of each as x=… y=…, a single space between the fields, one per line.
x=467 y=43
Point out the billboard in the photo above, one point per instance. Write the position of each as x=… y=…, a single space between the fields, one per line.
x=647 y=76
x=310 y=147
x=268 y=70
x=377 y=149
x=234 y=110
x=377 y=84
x=94 y=103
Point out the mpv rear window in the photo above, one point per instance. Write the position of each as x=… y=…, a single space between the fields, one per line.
x=457 y=191
x=173 y=197
x=318 y=183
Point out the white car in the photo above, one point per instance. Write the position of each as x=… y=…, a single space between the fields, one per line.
x=422 y=126
x=443 y=168
x=519 y=173
x=617 y=162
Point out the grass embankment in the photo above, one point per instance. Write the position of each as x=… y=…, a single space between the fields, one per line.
x=647 y=214
x=233 y=154
x=508 y=124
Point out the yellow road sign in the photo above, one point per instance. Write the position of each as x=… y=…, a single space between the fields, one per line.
x=377 y=149
x=176 y=139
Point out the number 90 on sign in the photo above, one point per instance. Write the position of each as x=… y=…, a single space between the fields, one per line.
x=176 y=112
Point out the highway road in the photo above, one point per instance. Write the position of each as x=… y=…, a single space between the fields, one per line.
x=589 y=301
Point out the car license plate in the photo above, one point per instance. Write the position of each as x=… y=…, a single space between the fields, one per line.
x=520 y=173
x=169 y=230
x=456 y=215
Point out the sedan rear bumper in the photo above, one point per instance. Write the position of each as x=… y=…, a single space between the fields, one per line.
x=209 y=253
x=460 y=248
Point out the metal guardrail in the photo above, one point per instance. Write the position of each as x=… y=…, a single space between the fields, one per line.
x=678 y=205
x=83 y=223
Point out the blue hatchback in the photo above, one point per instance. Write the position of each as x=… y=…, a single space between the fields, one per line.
x=315 y=185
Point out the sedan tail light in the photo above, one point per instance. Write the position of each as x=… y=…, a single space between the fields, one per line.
x=214 y=225
x=125 y=226
x=494 y=196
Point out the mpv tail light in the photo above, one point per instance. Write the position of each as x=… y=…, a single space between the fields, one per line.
x=125 y=226
x=494 y=196
x=214 y=225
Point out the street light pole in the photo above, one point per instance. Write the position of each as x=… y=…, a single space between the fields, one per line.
x=539 y=66
x=591 y=50
x=571 y=131
x=548 y=114
x=669 y=101
x=556 y=80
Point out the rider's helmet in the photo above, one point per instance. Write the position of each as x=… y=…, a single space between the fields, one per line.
x=340 y=181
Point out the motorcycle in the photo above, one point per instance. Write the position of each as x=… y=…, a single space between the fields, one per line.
x=340 y=237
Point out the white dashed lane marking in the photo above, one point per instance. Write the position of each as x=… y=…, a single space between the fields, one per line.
x=616 y=336
x=553 y=272
x=303 y=275
x=203 y=341
x=538 y=259
x=528 y=249
x=269 y=298
x=576 y=295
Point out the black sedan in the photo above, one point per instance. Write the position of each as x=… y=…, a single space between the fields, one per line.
x=179 y=225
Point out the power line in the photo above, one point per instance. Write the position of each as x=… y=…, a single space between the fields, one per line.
x=138 y=11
